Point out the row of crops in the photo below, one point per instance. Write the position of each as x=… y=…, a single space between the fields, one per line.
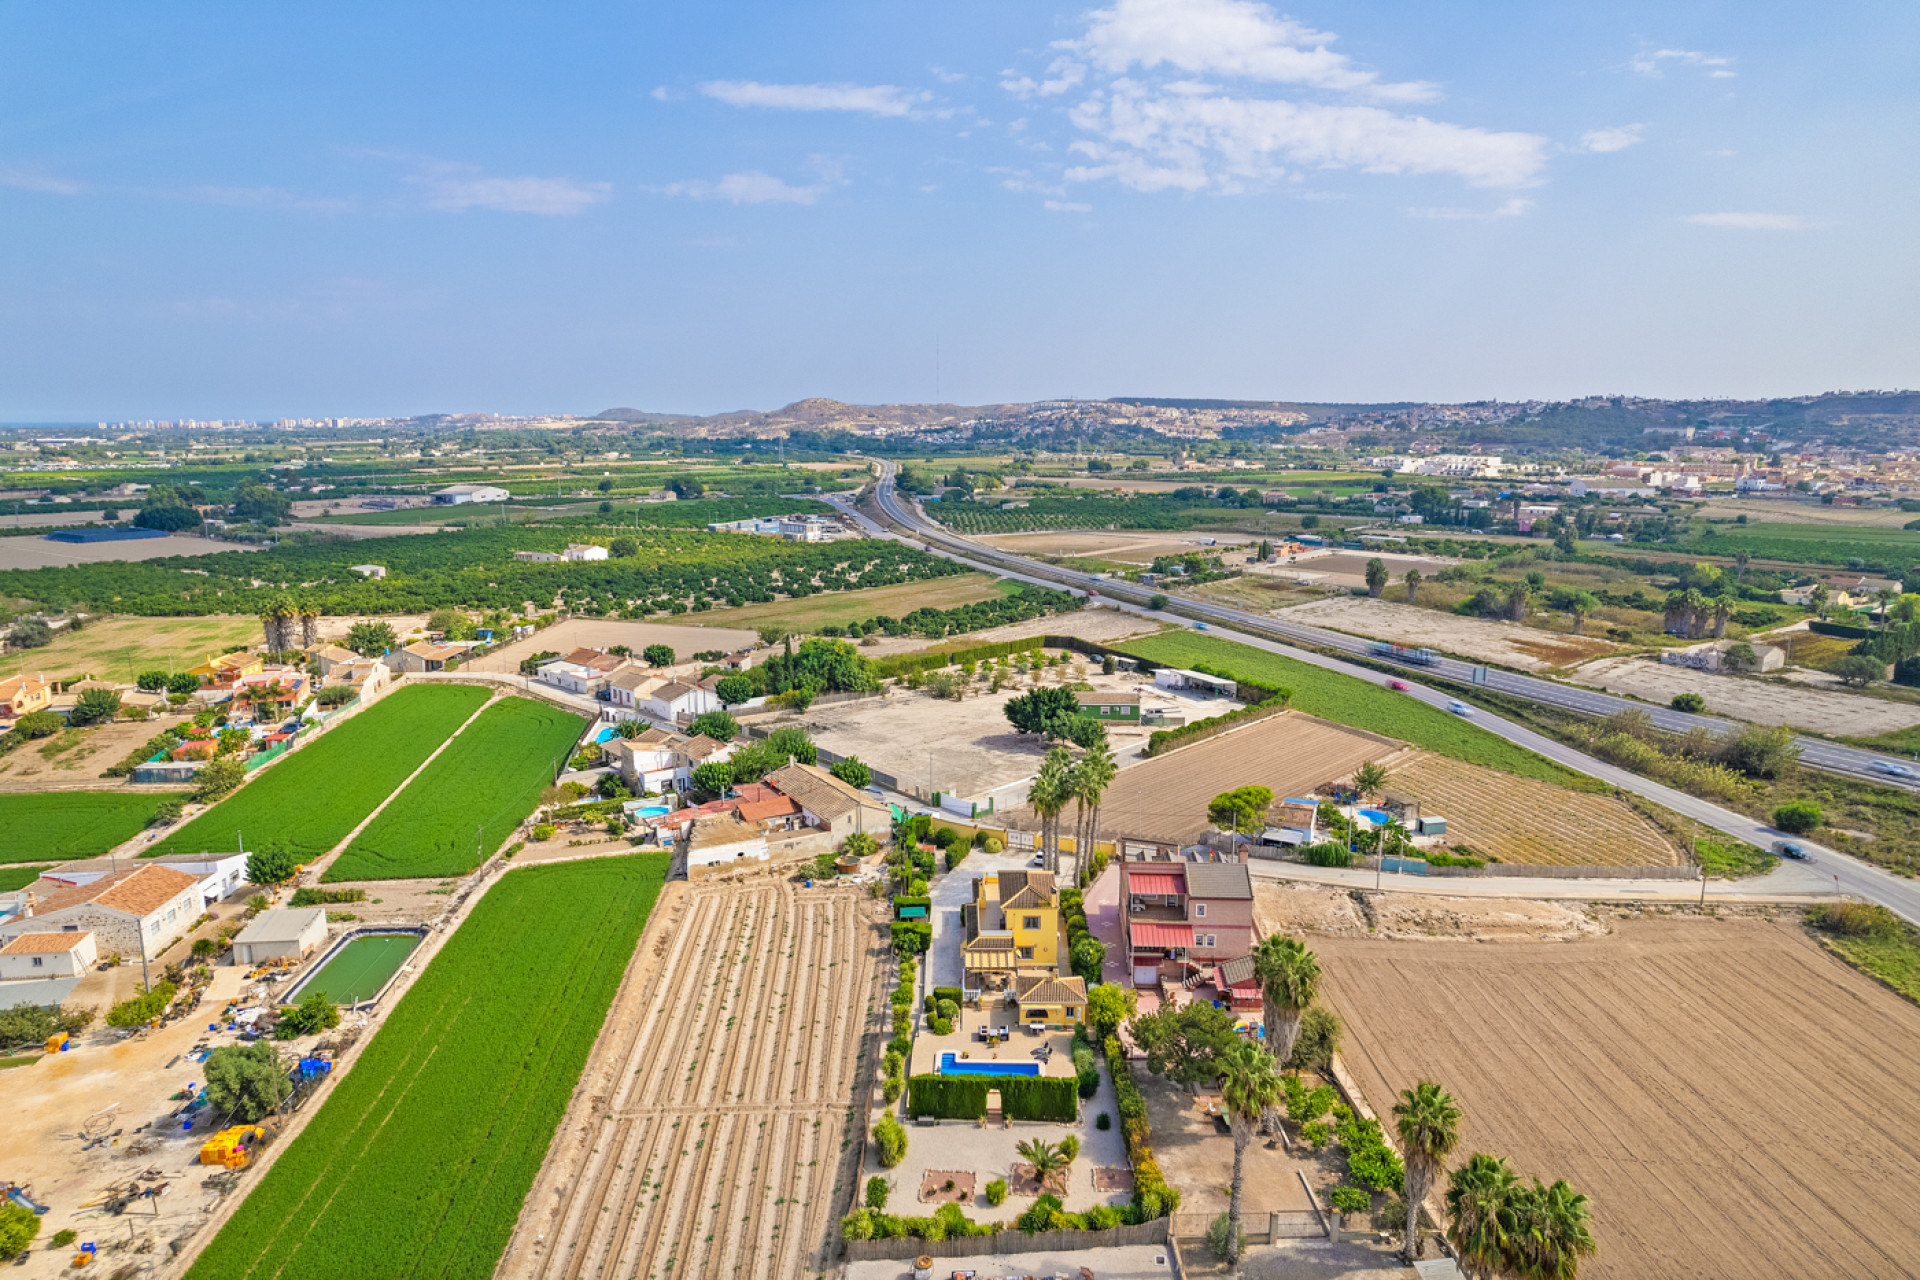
x=418 y=1162
x=466 y=803
x=1349 y=700
x=62 y=825
x=1891 y=551
x=307 y=803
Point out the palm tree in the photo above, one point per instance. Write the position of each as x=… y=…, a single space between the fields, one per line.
x=309 y=625
x=1091 y=778
x=1552 y=1231
x=1429 y=1126
x=1249 y=1089
x=1049 y=1162
x=1048 y=795
x=1289 y=977
x=1480 y=1214
x=1696 y=613
x=1368 y=779
x=1413 y=586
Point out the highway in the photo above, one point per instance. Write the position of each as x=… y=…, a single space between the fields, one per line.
x=1846 y=875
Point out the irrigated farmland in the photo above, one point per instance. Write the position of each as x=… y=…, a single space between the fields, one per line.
x=72 y=824
x=1736 y=1102
x=707 y=1137
x=463 y=805
x=307 y=803
x=418 y=1162
x=1519 y=820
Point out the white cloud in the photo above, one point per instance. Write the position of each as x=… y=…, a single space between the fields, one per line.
x=876 y=99
x=1066 y=206
x=456 y=188
x=1062 y=74
x=260 y=198
x=750 y=187
x=43 y=183
x=945 y=76
x=1229 y=38
x=1518 y=207
x=1616 y=139
x=1155 y=141
x=1755 y=221
x=1649 y=62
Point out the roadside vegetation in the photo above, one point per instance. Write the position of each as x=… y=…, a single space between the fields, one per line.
x=1874 y=940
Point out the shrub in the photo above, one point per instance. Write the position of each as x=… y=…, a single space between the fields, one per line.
x=890 y=1141
x=992 y=846
x=949 y=993
x=1350 y=1199
x=1103 y=1122
x=940 y=1026
x=947 y=1010
x=1797 y=817
x=246 y=1081
x=1039 y=1216
x=877 y=1191
x=313 y=1015
x=857 y=1225
x=1319 y=1038
x=542 y=831
x=18 y=1224
x=142 y=1008
x=1220 y=1237
x=1857 y=920
x=1070 y=1147
x=957 y=853
x=1328 y=853
x=64 y=1237
x=1088 y=1071
x=1681 y=702
x=1316 y=1134
x=997 y=1192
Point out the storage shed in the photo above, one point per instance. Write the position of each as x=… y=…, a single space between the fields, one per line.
x=287 y=933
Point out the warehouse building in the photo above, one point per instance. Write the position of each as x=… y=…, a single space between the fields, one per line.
x=286 y=933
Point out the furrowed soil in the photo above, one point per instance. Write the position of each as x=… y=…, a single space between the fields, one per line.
x=1498 y=815
x=1761 y=700
x=1524 y=648
x=710 y=1135
x=1736 y=1102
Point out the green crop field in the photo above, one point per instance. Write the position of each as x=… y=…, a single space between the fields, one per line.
x=52 y=826
x=466 y=803
x=417 y=1163
x=308 y=802
x=14 y=877
x=1360 y=703
x=1895 y=550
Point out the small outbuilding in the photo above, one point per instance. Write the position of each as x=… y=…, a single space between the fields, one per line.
x=287 y=933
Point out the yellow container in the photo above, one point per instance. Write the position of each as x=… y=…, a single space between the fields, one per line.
x=56 y=1042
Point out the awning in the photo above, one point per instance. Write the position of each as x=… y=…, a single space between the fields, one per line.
x=1155 y=882
x=1148 y=933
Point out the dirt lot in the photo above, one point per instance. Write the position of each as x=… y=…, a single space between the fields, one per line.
x=38 y=553
x=1525 y=648
x=1349 y=568
x=1763 y=511
x=1127 y=548
x=121 y=648
x=1309 y=908
x=1197 y=1158
x=1515 y=819
x=1165 y=798
x=1761 y=700
x=601 y=633
x=76 y=757
x=1735 y=1101
x=841 y=607
x=707 y=1138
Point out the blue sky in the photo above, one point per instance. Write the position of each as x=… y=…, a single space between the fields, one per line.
x=223 y=210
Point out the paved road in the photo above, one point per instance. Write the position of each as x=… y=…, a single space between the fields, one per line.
x=1848 y=875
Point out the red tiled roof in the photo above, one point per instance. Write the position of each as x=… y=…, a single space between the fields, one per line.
x=1149 y=933
x=762 y=810
x=1156 y=882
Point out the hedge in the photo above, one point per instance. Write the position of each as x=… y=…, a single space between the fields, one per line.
x=1839 y=629
x=1163 y=740
x=1021 y=1097
x=949 y=993
x=912 y=663
x=1152 y=1197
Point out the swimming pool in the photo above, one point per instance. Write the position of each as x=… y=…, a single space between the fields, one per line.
x=953 y=1065
x=652 y=811
x=1378 y=817
x=604 y=735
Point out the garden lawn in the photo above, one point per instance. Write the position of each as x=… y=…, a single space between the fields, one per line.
x=49 y=826
x=1361 y=703
x=418 y=1162
x=466 y=803
x=307 y=803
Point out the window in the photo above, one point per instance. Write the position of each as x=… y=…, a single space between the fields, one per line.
x=1200 y=910
x=1029 y=922
x=37 y=962
x=1026 y=953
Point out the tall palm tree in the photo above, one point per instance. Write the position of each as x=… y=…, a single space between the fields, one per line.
x=1249 y=1089
x=309 y=625
x=1048 y=795
x=1552 y=1232
x=1696 y=612
x=1481 y=1223
x=1368 y=779
x=1289 y=977
x=1413 y=586
x=1049 y=1162
x=1429 y=1126
x=1091 y=778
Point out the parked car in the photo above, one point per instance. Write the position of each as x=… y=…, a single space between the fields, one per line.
x=1397 y=685
x=1889 y=767
x=1460 y=708
x=1788 y=849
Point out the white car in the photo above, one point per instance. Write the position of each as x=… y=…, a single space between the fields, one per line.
x=1460 y=708
x=1888 y=766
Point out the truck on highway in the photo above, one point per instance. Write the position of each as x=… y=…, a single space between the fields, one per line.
x=1402 y=653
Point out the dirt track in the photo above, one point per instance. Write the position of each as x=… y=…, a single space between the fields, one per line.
x=1736 y=1102
x=706 y=1137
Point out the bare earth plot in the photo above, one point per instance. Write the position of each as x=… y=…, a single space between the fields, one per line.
x=1736 y=1102
x=38 y=553
x=121 y=648
x=1292 y=907
x=1520 y=820
x=1507 y=643
x=1761 y=701
x=1165 y=798
x=1128 y=548
x=706 y=1139
x=603 y=633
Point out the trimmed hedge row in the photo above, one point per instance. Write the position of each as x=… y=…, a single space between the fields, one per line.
x=1163 y=740
x=911 y=663
x=1021 y=1097
x=1152 y=1197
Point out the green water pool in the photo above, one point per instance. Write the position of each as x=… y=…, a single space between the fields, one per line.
x=359 y=970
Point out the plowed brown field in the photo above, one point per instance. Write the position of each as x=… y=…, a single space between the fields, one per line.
x=1166 y=798
x=1736 y=1102
x=706 y=1138
x=1520 y=820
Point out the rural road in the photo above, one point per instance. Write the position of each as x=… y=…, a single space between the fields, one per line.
x=1847 y=875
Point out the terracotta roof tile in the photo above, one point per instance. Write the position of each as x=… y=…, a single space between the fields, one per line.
x=136 y=892
x=33 y=944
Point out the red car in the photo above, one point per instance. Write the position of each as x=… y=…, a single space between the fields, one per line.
x=1400 y=685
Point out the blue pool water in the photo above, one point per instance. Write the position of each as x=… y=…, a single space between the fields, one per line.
x=604 y=734
x=951 y=1065
x=652 y=811
x=1376 y=816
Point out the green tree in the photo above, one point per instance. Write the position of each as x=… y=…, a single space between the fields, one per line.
x=890 y=1141
x=718 y=725
x=310 y=1017
x=247 y=1081
x=1049 y=1163
x=1108 y=1005
x=1481 y=1222
x=1248 y=1089
x=791 y=741
x=1184 y=1044
x=1088 y=782
x=623 y=548
x=1429 y=1126
x=657 y=655
x=1553 y=1231
x=1047 y=795
x=734 y=690
x=371 y=639
x=185 y=682
x=852 y=772
x=1580 y=607
x=38 y=724
x=220 y=775
x=261 y=504
x=1319 y=1037
x=1158 y=601
x=1242 y=810
x=167 y=509
x=1376 y=577
x=1857 y=671
x=152 y=681
x=1688 y=702
x=1086 y=956
x=95 y=705
x=714 y=777
x=1368 y=779
x=270 y=866
x=1797 y=817
x=1414 y=580
x=1289 y=976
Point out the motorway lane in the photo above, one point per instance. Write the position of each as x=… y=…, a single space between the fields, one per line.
x=1848 y=875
